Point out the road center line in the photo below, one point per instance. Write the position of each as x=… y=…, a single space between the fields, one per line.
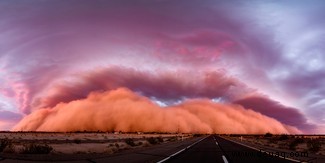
x=224 y=159
x=217 y=143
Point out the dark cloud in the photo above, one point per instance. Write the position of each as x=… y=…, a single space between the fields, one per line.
x=158 y=84
x=271 y=108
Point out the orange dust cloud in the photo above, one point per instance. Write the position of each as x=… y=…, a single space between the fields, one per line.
x=126 y=111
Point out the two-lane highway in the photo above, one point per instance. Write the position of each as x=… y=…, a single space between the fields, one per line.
x=216 y=149
x=205 y=151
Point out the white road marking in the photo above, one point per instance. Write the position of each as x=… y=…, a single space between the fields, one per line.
x=260 y=150
x=180 y=151
x=177 y=152
x=224 y=159
x=215 y=140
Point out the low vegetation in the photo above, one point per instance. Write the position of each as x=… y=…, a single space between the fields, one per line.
x=4 y=143
x=130 y=142
x=283 y=137
x=155 y=140
x=152 y=140
x=267 y=135
x=69 y=143
x=314 y=145
x=77 y=141
x=36 y=149
x=293 y=144
x=160 y=139
x=301 y=143
x=9 y=149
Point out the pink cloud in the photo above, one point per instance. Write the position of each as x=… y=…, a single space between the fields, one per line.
x=197 y=47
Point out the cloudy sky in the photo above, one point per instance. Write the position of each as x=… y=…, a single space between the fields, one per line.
x=263 y=56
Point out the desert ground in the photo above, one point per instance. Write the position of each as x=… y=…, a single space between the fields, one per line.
x=314 y=144
x=80 y=142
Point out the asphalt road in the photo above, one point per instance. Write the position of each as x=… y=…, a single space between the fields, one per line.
x=216 y=149
x=205 y=151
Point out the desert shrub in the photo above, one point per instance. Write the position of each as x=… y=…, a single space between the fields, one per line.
x=116 y=145
x=77 y=141
x=293 y=144
x=160 y=139
x=172 y=139
x=197 y=135
x=152 y=140
x=268 y=135
x=314 y=145
x=9 y=149
x=36 y=149
x=130 y=142
x=273 y=140
x=140 y=143
x=283 y=137
x=4 y=143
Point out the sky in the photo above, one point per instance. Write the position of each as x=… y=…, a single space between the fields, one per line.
x=150 y=65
